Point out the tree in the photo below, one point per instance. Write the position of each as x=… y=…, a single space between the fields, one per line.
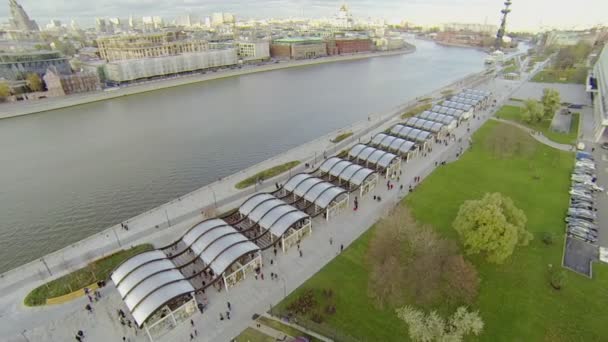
x=551 y=102
x=34 y=82
x=533 y=111
x=462 y=281
x=5 y=91
x=492 y=226
x=432 y=327
x=557 y=278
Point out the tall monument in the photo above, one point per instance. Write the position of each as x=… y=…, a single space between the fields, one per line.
x=19 y=19
x=503 y=25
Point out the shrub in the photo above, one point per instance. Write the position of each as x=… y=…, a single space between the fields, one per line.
x=557 y=278
x=547 y=238
x=305 y=303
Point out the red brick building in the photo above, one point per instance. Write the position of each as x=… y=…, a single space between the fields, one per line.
x=280 y=51
x=353 y=45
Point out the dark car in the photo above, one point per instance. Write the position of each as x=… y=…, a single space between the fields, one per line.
x=605 y=146
x=575 y=106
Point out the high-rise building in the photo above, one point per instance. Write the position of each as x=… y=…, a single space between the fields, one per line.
x=19 y=19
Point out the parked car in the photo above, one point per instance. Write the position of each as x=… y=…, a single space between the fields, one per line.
x=575 y=106
x=604 y=145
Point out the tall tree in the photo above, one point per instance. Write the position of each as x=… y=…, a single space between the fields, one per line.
x=432 y=327
x=551 y=102
x=34 y=82
x=533 y=111
x=492 y=226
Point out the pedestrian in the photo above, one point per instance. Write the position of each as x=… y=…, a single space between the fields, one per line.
x=191 y=337
x=261 y=276
x=192 y=322
x=300 y=253
x=271 y=261
x=227 y=314
x=195 y=332
x=90 y=298
x=298 y=244
x=221 y=317
x=89 y=308
x=341 y=248
x=275 y=251
x=331 y=240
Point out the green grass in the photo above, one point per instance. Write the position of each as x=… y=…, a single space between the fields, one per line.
x=511 y=68
x=515 y=300
x=341 y=137
x=266 y=174
x=514 y=113
x=286 y=329
x=572 y=75
x=252 y=335
x=416 y=110
x=97 y=270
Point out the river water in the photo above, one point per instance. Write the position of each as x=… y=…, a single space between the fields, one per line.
x=69 y=173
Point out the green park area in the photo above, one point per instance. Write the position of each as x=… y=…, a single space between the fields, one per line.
x=341 y=137
x=516 y=114
x=95 y=271
x=569 y=75
x=426 y=265
x=267 y=174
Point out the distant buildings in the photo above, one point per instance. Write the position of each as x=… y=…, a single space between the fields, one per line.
x=467 y=27
x=16 y=65
x=134 y=69
x=571 y=38
x=344 y=18
x=60 y=85
x=253 y=51
x=19 y=19
x=171 y=43
x=298 y=48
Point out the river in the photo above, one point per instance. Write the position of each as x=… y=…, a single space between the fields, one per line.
x=69 y=173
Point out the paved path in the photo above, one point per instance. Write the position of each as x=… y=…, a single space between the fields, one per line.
x=249 y=297
x=538 y=136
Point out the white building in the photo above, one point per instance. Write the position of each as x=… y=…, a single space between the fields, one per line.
x=134 y=69
x=597 y=85
x=480 y=28
x=217 y=19
x=248 y=51
x=343 y=19
x=570 y=38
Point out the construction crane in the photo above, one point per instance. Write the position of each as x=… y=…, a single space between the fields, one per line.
x=503 y=25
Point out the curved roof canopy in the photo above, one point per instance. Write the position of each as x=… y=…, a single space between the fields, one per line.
x=409 y=133
x=346 y=171
x=393 y=143
x=484 y=93
x=456 y=105
x=271 y=213
x=430 y=126
x=218 y=244
x=436 y=117
x=147 y=281
x=313 y=189
x=372 y=155
x=460 y=99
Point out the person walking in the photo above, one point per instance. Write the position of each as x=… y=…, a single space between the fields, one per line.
x=300 y=253
x=341 y=248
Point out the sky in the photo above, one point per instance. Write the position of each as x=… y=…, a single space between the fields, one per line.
x=526 y=14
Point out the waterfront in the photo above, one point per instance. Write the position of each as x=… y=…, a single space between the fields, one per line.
x=72 y=172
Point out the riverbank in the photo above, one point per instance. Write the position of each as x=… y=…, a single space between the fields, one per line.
x=15 y=109
x=203 y=202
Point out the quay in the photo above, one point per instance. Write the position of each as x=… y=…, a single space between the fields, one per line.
x=165 y=224
x=15 y=109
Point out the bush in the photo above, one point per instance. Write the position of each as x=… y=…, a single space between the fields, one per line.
x=547 y=238
x=305 y=303
x=557 y=278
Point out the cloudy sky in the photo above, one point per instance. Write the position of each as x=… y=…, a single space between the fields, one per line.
x=527 y=14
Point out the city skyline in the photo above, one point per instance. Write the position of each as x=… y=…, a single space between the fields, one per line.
x=435 y=12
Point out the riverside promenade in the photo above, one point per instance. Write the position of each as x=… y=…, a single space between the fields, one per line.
x=168 y=222
x=14 y=109
x=59 y=323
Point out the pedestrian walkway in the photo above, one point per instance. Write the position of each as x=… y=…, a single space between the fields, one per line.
x=250 y=296
x=538 y=136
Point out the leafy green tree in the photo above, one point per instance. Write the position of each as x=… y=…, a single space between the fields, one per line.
x=557 y=278
x=492 y=226
x=533 y=111
x=433 y=327
x=34 y=82
x=551 y=102
x=5 y=91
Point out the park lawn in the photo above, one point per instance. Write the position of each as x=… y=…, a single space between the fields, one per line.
x=572 y=75
x=341 y=137
x=252 y=335
x=515 y=113
x=515 y=299
x=95 y=271
x=267 y=174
